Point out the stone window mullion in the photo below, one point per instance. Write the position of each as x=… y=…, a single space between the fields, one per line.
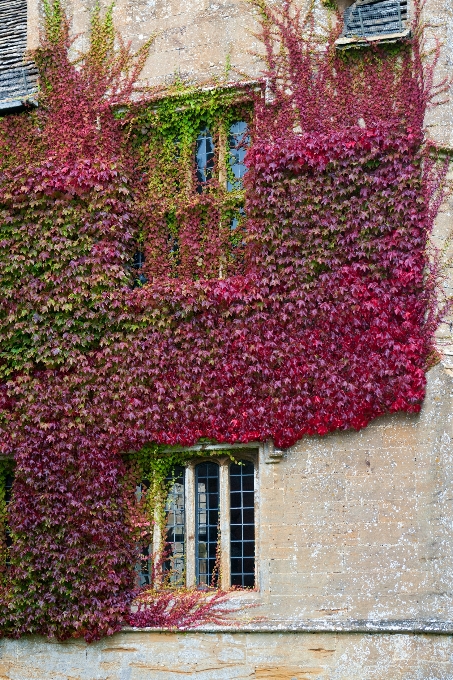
x=190 y=525
x=225 y=569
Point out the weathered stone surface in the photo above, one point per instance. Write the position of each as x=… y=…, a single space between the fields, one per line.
x=239 y=656
x=354 y=529
x=354 y=534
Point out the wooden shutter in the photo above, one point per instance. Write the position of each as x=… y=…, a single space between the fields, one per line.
x=17 y=76
x=368 y=18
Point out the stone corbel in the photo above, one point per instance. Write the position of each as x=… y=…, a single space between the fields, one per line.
x=271 y=454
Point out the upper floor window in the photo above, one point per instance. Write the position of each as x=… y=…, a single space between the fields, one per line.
x=137 y=265
x=204 y=157
x=17 y=78
x=238 y=143
x=374 y=20
x=194 y=174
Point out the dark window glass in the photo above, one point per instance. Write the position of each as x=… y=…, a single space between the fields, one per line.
x=242 y=524
x=9 y=479
x=173 y=567
x=139 y=261
x=238 y=142
x=144 y=567
x=207 y=523
x=204 y=158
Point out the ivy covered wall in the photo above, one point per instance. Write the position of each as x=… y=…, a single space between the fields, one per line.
x=316 y=313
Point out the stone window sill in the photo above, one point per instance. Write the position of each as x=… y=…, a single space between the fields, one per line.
x=359 y=41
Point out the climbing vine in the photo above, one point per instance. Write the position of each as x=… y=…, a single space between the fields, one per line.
x=316 y=312
x=187 y=223
x=6 y=474
x=150 y=477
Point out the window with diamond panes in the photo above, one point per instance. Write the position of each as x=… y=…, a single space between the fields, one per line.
x=207 y=477
x=242 y=524
x=204 y=158
x=174 y=564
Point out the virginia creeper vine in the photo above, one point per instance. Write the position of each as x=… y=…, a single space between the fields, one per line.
x=317 y=314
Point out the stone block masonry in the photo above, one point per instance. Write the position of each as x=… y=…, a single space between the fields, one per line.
x=232 y=656
x=354 y=571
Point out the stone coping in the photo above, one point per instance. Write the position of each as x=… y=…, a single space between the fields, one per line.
x=384 y=626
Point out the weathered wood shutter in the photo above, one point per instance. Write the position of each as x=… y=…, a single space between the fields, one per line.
x=17 y=76
x=368 y=18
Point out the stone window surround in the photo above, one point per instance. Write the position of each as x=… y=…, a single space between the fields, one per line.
x=259 y=454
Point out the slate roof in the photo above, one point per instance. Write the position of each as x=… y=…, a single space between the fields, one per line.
x=18 y=78
x=372 y=19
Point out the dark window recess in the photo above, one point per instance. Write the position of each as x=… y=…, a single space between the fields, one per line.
x=204 y=158
x=144 y=567
x=207 y=523
x=238 y=141
x=174 y=565
x=138 y=263
x=242 y=524
x=9 y=480
x=368 y=18
x=8 y=487
x=17 y=79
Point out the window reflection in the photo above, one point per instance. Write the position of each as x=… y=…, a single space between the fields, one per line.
x=238 y=141
x=204 y=158
x=173 y=567
x=207 y=523
x=242 y=524
x=144 y=567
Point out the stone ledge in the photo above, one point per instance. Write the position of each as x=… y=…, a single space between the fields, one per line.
x=360 y=41
x=409 y=626
x=16 y=104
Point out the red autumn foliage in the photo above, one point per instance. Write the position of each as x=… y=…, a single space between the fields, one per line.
x=179 y=609
x=328 y=325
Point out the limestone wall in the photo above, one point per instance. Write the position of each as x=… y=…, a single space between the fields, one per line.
x=354 y=529
x=354 y=535
x=237 y=656
x=358 y=525
x=193 y=37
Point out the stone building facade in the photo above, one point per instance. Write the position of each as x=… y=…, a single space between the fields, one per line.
x=354 y=530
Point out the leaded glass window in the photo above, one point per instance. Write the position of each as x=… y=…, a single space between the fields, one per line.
x=207 y=523
x=138 y=263
x=175 y=528
x=144 y=567
x=204 y=158
x=238 y=142
x=190 y=548
x=242 y=524
x=8 y=487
